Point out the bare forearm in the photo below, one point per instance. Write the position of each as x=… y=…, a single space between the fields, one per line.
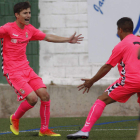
x=101 y=73
x=56 y=39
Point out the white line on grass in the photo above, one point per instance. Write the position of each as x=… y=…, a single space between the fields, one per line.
x=78 y=130
x=100 y=130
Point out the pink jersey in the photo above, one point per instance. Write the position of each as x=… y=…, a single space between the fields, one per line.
x=14 y=45
x=125 y=54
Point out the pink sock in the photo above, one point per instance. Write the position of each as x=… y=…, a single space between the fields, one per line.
x=24 y=106
x=94 y=114
x=45 y=114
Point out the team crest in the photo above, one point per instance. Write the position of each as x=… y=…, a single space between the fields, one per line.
x=22 y=91
x=26 y=34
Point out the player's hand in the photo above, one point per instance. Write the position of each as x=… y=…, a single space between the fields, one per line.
x=86 y=85
x=75 y=39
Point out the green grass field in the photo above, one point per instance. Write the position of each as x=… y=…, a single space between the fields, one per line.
x=106 y=128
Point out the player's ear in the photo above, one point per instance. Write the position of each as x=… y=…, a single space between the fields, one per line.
x=121 y=30
x=16 y=15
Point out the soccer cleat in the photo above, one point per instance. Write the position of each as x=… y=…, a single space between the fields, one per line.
x=14 y=126
x=80 y=134
x=48 y=132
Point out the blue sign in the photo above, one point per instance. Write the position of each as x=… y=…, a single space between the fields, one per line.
x=137 y=27
x=98 y=7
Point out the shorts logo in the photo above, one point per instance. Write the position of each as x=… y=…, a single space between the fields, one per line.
x=22 y=91
x=26 y=34
x=14 y=40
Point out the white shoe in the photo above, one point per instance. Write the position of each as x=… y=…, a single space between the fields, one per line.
x=79 y=134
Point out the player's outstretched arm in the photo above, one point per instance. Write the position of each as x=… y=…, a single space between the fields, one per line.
x=89 y=82
x=58 y=39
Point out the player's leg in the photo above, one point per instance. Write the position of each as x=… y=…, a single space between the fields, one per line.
x=27 y=104
x=94 y=114
x=96 y=111
x=23 y=91
x=40 y=88
x=45 y=113
x=113 y=93
x=44 y=107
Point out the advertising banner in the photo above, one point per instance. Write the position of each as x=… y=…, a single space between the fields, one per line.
x=102 y=28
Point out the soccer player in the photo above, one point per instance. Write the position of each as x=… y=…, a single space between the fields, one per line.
x=27 y=84
x=126 y=54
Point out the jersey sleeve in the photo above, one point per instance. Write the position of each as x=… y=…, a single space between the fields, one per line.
x=4 y=30
x=116 y=56
x=37 y=34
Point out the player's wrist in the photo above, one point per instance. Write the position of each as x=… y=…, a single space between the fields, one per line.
x=92 y=80
x=69 y=40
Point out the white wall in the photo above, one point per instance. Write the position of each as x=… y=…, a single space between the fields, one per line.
x=64 y=63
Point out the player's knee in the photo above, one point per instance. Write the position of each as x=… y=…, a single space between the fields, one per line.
x=33 y=100
x=106 y=99
x=101 y=98
x=45 y=96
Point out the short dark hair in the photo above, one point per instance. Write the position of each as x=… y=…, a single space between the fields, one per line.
x=21 y=6
x=126 y=24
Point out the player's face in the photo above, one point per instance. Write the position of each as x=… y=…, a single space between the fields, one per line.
x=24 y=16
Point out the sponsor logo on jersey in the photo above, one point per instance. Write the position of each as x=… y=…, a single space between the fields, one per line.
x=26 y=41
x=14 y=40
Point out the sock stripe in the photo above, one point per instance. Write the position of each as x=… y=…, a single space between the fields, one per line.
x=45 y=114
x=92 y=112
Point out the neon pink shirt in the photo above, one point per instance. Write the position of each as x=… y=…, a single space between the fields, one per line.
x=125 y=54
x=14 y=45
